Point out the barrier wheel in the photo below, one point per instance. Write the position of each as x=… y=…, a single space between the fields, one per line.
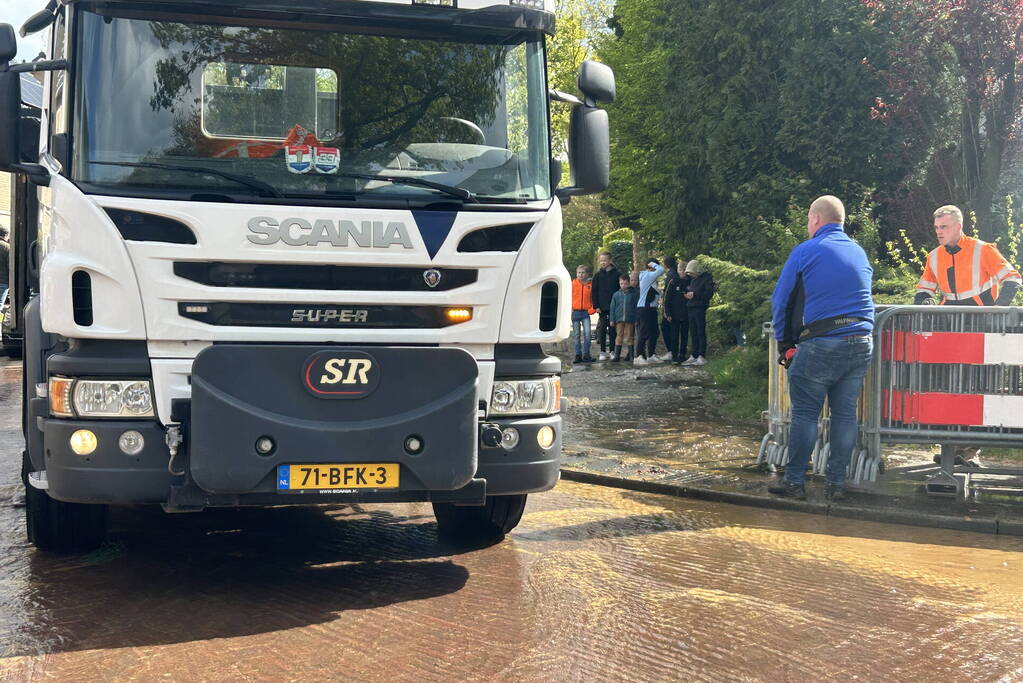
x=823 y=457
x=762 y=453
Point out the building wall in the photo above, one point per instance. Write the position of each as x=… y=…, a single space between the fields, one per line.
x=5 y=200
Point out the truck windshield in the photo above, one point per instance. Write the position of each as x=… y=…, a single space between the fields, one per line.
x=306 y=114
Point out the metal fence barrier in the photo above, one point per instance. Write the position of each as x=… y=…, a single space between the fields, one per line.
x=948 y=375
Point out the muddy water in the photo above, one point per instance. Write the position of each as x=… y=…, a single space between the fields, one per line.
x=596 y=584
x=661 y=414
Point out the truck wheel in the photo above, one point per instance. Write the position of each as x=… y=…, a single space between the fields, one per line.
x=60 y=527
x=479 y=524
x=12 y=349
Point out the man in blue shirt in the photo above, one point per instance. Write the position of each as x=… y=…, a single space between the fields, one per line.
x=823 y=318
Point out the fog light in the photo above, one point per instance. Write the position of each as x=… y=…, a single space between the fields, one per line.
x=83 y=442
x=545 y=437
x=265 y=445
x=131 y=443
x=491 y=436
x=414 y=445
x=459 y=315
x=509 y=438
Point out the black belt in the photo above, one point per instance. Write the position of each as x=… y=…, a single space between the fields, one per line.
x=819 y=328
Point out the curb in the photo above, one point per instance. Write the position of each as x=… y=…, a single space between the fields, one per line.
x=886 y=515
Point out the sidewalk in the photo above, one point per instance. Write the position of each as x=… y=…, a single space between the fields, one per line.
x=658 y=429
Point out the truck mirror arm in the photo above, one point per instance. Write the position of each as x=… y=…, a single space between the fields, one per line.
x=37 y=173
x=41 y=65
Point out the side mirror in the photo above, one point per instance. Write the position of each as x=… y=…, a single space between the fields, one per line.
x=596 y=82
x=8 y=44
x=589 y=135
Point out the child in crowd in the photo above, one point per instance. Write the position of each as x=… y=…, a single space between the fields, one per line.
x=623 y=316
x=698 y=294
x=646 y=313
x=582 y=309
x=676 y=313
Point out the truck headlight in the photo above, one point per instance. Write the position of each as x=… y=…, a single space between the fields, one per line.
x=101 y=398
x=526 y=396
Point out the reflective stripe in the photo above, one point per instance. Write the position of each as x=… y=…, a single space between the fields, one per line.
x=934 y=262
x=978 y=247
x=924 y=284
x=970 y=293
x=1014 y=278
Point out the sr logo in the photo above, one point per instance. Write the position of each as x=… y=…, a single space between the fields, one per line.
x=340 y=374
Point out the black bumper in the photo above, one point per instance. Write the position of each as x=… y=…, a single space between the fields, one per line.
x=241 y=393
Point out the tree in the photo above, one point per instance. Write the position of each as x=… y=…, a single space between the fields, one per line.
x=733 y=111
x=580 y=23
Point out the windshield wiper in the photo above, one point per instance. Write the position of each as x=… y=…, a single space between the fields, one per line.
x=461 y=193
x=248 y=181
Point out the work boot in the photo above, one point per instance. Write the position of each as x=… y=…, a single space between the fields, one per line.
x=835 y=493
x=617 y=355
x=786 y=490
x=587 y=358
x=578 y=358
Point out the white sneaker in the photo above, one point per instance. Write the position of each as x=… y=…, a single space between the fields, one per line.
x=700 y=361
x=666 y=357
x=640 y=360
x=654 y=359
x=689 y=361
x=602 y=356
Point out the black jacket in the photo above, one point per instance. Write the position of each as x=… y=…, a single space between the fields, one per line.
x=675 y=296
x=5 y=262
x=605 y=284
x=702 y=287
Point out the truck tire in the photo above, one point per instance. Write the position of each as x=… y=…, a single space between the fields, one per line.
x=59 y=527
x=12 y=349
x=479 y=524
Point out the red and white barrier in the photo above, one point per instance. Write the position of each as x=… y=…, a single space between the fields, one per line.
x=971 y=410
x=966 y=348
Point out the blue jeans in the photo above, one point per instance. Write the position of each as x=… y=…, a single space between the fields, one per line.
x=581 y=331
x=832 y=367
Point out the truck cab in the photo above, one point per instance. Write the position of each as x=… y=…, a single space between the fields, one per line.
x=297 y=252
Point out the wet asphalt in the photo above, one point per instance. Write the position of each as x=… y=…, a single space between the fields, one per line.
x=595 y=584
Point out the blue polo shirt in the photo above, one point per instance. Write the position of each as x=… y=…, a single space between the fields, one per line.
x=826 y=276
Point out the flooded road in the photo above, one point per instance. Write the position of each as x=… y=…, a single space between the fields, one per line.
x=595 y=584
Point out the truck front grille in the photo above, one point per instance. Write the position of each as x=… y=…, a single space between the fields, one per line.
x=329 y=277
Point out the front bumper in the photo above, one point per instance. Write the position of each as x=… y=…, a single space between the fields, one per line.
x=241 y=393
x=109 y=476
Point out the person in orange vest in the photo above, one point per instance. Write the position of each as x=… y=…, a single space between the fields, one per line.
x=582 y=309
x=964 y=270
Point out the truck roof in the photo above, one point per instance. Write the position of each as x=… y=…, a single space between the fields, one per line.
x=483 y=14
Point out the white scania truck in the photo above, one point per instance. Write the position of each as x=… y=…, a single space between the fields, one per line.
x=291 y=252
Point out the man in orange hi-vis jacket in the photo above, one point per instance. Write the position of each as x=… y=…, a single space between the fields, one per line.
x=964 y=270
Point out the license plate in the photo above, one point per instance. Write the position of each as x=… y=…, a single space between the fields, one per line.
x=338 y=478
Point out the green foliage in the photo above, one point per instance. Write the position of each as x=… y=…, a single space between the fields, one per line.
x=773 y=108
x=579 y=24
x=584 y=227
x=741 y=374
x=621 y=255
x=743 y=298
x=619 y=235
